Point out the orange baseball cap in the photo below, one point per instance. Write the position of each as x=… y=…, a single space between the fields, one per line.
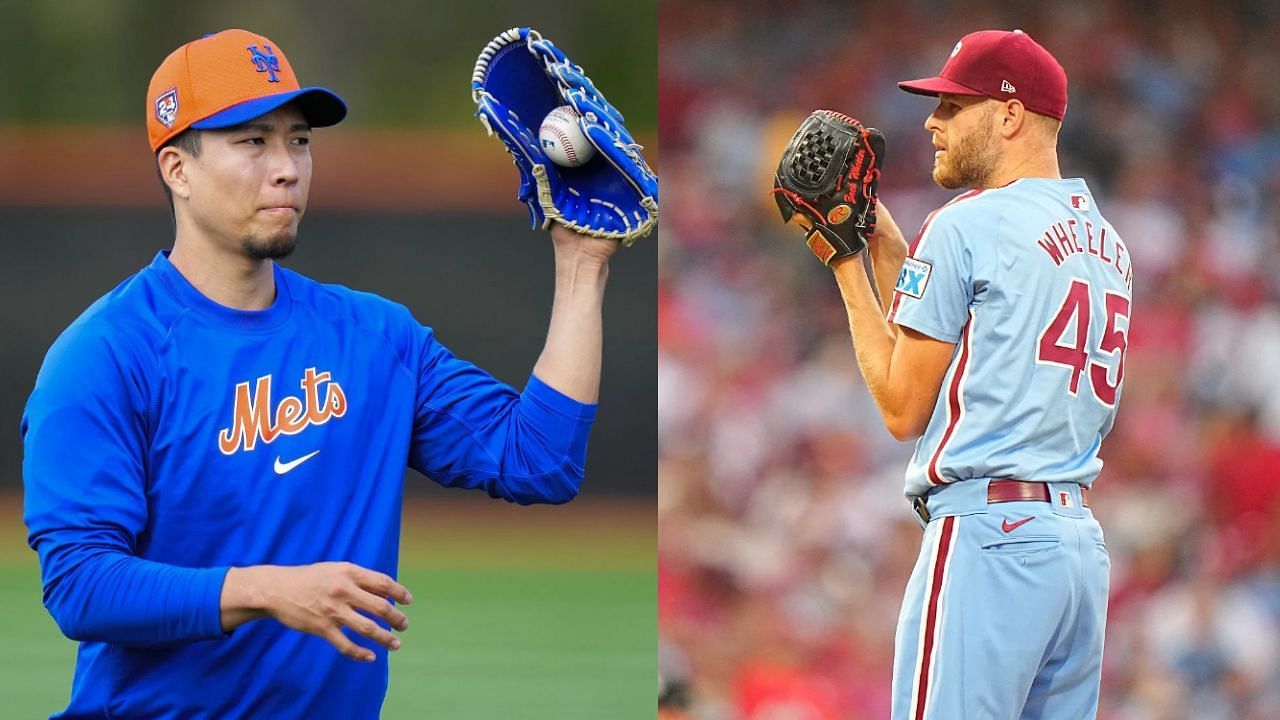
x=229 y=78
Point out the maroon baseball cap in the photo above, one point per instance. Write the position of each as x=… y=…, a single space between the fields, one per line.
x=1002 y=65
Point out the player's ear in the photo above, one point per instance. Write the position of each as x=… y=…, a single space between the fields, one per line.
x=1012 y=115
x=173 y=171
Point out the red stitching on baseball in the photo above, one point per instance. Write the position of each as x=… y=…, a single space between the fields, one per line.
x=565 y=144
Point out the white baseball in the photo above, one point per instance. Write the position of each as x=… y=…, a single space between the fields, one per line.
x=562 y=139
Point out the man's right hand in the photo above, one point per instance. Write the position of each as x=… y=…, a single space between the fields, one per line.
x=318 y=599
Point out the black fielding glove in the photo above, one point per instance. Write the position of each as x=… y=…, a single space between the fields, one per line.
x=829 y=174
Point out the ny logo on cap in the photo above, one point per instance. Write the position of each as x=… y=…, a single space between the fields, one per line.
x=265 y=62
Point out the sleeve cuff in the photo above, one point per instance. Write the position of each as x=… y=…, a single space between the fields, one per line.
x=557 y=402
x=207 y=589
x=563 y=423
x=927 y=329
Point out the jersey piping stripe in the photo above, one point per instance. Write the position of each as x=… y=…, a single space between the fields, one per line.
x=918 y=242
x=955 y=401
x=930 y=627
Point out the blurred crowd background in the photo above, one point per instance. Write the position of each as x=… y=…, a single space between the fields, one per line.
x=785 y=542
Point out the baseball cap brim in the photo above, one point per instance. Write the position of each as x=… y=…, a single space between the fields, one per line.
x=320 y=106
x=934 y=86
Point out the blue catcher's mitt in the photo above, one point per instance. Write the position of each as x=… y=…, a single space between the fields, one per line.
x=519 y=78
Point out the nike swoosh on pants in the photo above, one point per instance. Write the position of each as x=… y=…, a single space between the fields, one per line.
x=1010 y=527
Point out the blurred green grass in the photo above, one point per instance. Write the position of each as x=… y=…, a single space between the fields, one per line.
x=526 y=613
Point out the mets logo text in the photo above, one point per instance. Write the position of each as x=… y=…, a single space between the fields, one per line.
x=252 y=418
x=266 y=62
x=167 y=107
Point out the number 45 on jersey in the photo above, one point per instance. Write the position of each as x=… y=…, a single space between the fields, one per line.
x=1075 y=354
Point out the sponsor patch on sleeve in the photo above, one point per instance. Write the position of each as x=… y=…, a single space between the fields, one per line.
x=914 y=277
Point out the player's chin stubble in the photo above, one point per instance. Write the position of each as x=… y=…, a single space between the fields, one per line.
x=272 y=247
x=969 y=162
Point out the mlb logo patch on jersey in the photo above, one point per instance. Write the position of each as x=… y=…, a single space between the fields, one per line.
x=1080 y=202
x=167 y=107
x=914 y=277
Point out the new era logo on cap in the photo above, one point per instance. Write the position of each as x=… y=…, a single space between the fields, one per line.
x=1006 y=86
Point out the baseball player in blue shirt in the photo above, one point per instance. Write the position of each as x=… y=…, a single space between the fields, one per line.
x=1003 y=352
x=215 y=449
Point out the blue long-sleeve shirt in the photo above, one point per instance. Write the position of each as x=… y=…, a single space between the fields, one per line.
x=169 y=438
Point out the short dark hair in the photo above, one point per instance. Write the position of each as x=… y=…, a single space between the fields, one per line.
x=187 y=140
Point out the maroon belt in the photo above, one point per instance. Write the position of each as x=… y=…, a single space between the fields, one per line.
x=1002 y=491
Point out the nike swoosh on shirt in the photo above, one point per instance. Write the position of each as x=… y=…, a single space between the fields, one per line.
x=1006 y=525
x=284 y=467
